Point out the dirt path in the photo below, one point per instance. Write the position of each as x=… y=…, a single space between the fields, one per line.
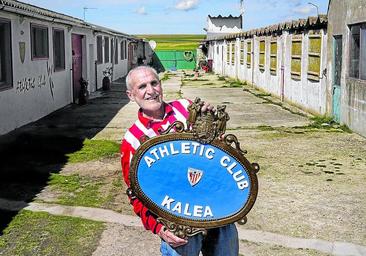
x=311 y=201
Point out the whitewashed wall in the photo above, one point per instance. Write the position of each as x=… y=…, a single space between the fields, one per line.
x=37 y=89
x=308 y=94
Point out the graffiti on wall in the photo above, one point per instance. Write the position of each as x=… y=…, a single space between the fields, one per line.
x=28 y=84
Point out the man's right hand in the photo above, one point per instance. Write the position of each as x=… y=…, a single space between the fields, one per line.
x=170 y=238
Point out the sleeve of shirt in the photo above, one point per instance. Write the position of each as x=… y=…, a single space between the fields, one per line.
x=148 y=218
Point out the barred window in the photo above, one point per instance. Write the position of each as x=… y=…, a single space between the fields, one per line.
x=99 y=49
x=242 y=56
x=358 y=51
x=39 y=41
x=273 y=66
x=262 y=54
x=296 y=51
x=116 y=52
x=228 y=46
x=58 y=49
x=233 y=53
x=249 y=53
x=315 y=43
x=106 y=49
x=5 y=55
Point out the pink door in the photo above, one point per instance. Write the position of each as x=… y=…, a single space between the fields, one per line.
x=76 y=63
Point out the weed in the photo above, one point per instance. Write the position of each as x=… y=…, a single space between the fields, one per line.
x=77 y=190
x=39 y=233
x=165 y=77
x=265 y=128
x=93 y=150
x=221 y=78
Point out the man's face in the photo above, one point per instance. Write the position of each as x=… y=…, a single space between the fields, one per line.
x=146 y=91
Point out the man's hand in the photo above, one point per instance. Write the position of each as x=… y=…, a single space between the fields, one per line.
x=170 y=238
x=207 y=107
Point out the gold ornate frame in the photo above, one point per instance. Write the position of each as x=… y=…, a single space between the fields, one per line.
x=206 y=129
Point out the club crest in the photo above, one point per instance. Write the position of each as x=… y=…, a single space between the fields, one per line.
x=194 y=176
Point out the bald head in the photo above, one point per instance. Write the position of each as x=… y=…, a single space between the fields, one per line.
x=138 y=69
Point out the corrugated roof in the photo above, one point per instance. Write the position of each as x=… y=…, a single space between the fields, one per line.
x=320 y=21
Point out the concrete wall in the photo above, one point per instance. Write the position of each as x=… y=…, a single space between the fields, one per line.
x=353 y=91
x=38 y=89
x=307 y=93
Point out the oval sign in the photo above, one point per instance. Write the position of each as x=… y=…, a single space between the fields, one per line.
x=194 y=184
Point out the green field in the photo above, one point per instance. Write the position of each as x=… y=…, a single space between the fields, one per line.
x=175 y=41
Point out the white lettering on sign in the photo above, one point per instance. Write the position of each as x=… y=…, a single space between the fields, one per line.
x=198 y=210
x=194 y=148
x=238 y=175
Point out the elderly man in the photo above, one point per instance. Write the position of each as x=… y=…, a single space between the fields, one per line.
x=144 y=88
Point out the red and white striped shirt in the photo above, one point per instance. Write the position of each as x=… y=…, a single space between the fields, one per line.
x=174 y=111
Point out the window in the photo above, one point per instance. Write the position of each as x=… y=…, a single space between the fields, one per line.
x=116 y=53
x=273 y=57
x=358 y=51
x=122 y=50
x=99 y=49
x=39 y=40
x=112 y=49
x=262 y=54
x=233 y=53
x=249 y=53
x=5 y=55
x=126 y=45
x=296 y=57
x=242 y=56
x=228 y=46
x=106 y=49
x=58 y=49
x=315 y=43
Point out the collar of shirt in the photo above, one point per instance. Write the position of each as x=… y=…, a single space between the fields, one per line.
x=147 y=122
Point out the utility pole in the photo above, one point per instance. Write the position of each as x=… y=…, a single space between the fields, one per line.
x=87 y=8
x=317 y=8
x=242 y=13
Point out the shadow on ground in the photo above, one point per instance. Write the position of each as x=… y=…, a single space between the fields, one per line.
x=30 y=154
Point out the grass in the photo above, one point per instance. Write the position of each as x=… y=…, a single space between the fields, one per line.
x=165 y=77
x=78 y=191
x=233 y=83
x=39 y=233
x=175 y=41
x=94 y=150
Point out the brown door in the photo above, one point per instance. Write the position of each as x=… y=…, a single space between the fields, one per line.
x=77 y=61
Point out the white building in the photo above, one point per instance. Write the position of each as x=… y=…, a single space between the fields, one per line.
x=43 y=54
x=287 y=60
x=221 y=25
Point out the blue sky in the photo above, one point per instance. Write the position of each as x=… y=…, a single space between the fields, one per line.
x=180 y=16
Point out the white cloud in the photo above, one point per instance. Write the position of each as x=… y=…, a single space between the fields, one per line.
x=305 y=9
x=186 y=5
x=141 y=10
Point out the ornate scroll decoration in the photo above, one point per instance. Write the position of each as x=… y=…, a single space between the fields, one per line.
x=181 y=231
x=206 y=126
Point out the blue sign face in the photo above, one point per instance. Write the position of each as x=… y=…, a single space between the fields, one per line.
x=193 y=181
